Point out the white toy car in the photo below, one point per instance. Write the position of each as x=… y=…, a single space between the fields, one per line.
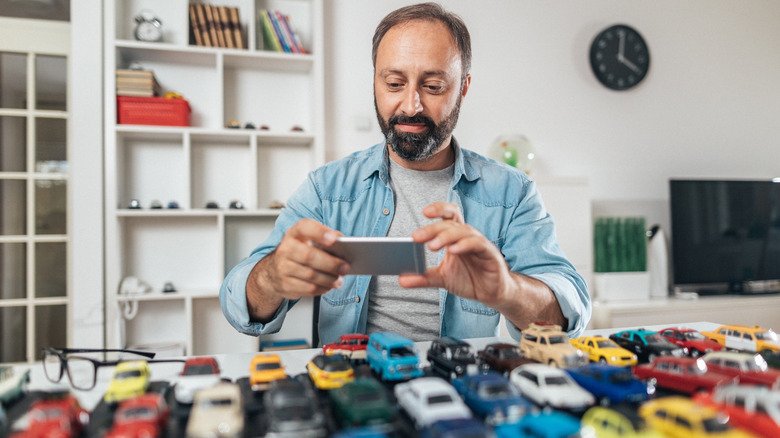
x=198 y=373
x=546 y=385
x=217 y=411
x=430 y=399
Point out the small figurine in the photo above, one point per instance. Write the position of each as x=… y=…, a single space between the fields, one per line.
x=134 y=204
x=156 y=205
x=265 y=128
x=234 y=124
x=236 y=205
x=249 y=125
x=276 y=204
x=173 y=204
x=212 y=204
x=168 y=287
x=296 y=128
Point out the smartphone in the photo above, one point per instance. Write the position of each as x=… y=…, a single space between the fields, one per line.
x=380 y=255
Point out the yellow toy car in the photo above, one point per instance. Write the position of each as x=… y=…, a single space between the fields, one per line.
x=328 y=371
x=130 y=379
x=740 y=337
x=264 y=369
x=604 y=350
x=618 y=421
x=678 y=416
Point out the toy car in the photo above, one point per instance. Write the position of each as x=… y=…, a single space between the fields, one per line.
x=56 y=417
x=751 y=368
x=492 y=397
x=429 y=399
x=739 y=337
x=502 y=357
x=772 y=359
x=198 y=373
x=619 y=421
x=451 y=358
x=362 y=402
x=131 y=378
x=330 y=371
x=457 y=428
x=753 y=408
x=547 y=343
x=265 y=368
x=351 y=345
x=142 y=416
x=393 y=357
x=600 y=349
x=547 y=424
x=678 y=416
x=12 y=383
x=694 y=343
x=217 y=411
x=291 y=410
x=682 y=374
x=646 y=344
x=550 y=386
x=611 y=384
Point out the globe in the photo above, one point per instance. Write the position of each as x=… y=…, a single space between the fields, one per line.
x=515 y=150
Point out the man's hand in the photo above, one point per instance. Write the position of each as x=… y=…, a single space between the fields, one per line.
x=473 y=267
x=296 y=268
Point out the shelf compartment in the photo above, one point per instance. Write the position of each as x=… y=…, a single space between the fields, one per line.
x=156 y=322
x=242 y=235
x=151 y=167
x=184 y=251
x=221 y=171
x=281 y=170
x=212 y=334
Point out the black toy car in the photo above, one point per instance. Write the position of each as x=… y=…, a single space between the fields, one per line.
x=451 y=358
x=502 y=357
x=646 y=344
x=292 y=409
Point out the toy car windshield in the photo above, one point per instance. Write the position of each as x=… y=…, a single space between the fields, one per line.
x=402 y=351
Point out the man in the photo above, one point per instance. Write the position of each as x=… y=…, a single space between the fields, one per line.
x=490 y=245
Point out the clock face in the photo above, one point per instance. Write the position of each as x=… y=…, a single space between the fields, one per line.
x=148 y=30
x=619 y=57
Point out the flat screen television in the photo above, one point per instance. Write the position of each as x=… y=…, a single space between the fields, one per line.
x=725 y=235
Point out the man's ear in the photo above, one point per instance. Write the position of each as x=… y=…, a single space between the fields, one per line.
x=466 y=84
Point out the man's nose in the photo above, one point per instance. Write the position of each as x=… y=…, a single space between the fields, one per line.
x=411 y=104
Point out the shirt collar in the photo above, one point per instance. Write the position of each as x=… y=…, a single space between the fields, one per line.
x=379 y=162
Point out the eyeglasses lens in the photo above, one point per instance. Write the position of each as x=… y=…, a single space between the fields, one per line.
x=52 y=366
x=81 y=372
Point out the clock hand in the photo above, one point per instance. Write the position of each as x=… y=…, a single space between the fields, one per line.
x=621 y=46
x=630 y=65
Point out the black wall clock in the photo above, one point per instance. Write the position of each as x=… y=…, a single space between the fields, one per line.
x=619 y=57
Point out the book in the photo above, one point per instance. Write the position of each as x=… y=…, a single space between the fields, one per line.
x=211 y=25
x=286 y=34
x=278 y=30
x=227 y=31
x=235 y=25
x=194 y=30
x=203 y=26
x=295 y=36
x=269 y=35
x=136 y=92
x=131 y=73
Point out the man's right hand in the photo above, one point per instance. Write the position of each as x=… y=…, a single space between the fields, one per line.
x=296 y=268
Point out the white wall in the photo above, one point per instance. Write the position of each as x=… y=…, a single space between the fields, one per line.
x=709 y=107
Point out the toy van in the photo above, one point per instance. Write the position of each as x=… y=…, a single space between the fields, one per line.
x=393 y=356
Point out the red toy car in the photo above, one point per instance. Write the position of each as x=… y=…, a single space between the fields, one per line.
x=142 y=416
x=352 y=345
x=754 y=408
x=56 y=418
x=751 y=368
x=682 y=374
x=691 y=340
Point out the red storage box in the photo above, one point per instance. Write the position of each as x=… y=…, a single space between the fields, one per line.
x=152 y=111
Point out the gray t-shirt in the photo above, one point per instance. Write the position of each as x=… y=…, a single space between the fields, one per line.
x=413 y=313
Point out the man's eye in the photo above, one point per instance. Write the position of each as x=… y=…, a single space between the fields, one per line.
x=394 y=85
x=434 y=88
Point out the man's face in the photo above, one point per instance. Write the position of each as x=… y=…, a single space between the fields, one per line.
x=418 y=88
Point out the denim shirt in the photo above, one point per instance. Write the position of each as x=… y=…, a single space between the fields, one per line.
x=353 y=195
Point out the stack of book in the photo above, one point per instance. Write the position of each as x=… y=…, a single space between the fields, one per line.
x=278 y=33
x=141 y=83
x=216 y=26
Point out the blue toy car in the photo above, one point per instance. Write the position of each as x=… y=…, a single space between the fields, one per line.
x=492 y=397
x=611 y=384
x=393 y=357
x=457 y=428
x=545 y=424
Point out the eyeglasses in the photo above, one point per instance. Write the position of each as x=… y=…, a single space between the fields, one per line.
x=81 y=371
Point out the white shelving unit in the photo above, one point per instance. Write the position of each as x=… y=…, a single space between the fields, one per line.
x=193 y=247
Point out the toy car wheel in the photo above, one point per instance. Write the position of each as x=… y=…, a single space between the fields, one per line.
x=603 y=360
x=695 y=353
x=604 y=401
x=651 y=357
x=552 y=363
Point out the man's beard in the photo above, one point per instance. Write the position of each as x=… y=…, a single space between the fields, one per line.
x=417 y=146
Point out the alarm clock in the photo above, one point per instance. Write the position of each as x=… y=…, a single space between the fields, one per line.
x=148 y=27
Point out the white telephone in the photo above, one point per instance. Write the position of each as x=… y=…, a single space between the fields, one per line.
x=131 y=286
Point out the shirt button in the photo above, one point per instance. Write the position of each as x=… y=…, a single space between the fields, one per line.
x=386 y=211
x=357 y=299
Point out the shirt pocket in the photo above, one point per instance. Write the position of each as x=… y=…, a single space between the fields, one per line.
x=476 y=307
